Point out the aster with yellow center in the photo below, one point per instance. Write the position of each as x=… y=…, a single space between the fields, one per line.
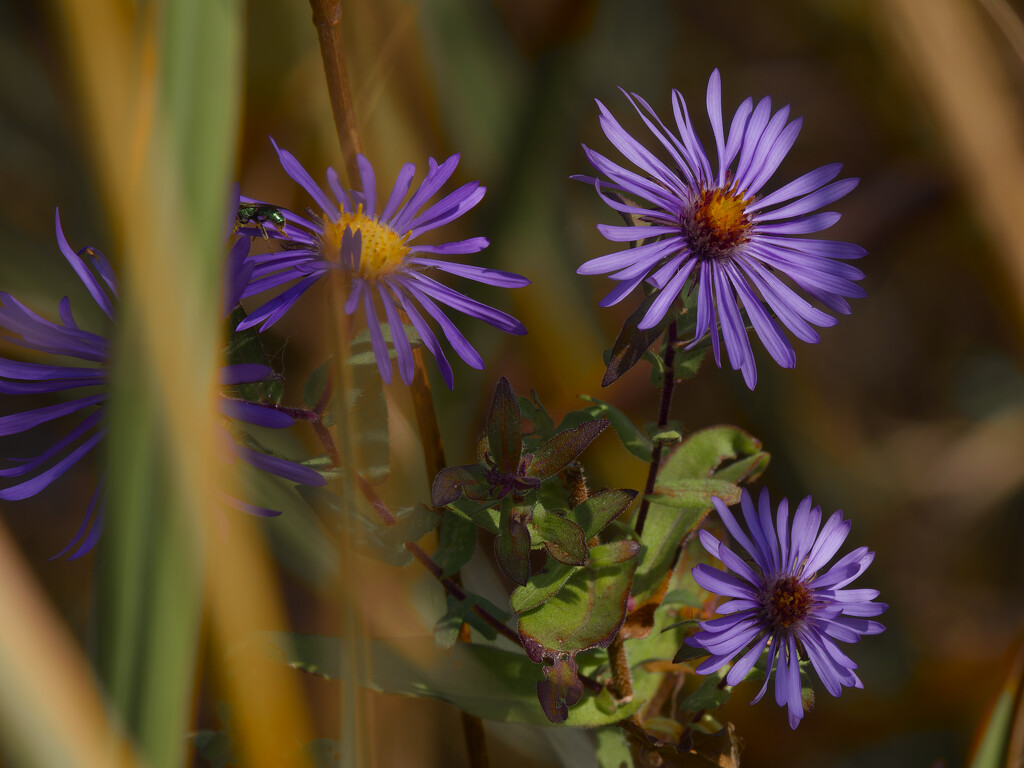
x=743 y=251
x=387 y=267
x=780 y=605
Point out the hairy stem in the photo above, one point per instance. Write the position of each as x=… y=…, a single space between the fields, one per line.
x=666 y=403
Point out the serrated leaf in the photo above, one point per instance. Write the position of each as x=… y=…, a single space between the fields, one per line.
x=504 y=437
x=540 y=588
x=554 y=454
x=585 y=613
x=686 y=363
x=694 y=492
x=634 y=440
x=457 y=543
x=594 y=514
x=613 y=553
x=387 y=542
x=632 y=342
x=564 y=539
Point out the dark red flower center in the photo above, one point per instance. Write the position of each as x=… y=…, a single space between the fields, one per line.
x=786 y=602
x=716 y=222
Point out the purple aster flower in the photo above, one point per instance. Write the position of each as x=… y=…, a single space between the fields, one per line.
x=89 y=384
x=715 y=232
x=388 y=270
x=782 y=603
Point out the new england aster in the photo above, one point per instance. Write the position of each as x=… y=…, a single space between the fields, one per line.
x=90 y=382
x=375 y=246
x=714 y=231
x=782 y=603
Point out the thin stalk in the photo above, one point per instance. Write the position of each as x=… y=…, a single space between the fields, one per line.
x=666 y=403
x=327 y=20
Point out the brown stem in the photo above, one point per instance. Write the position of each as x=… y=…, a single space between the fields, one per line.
x=666 y=403
x=327 y=20
x=622 y=681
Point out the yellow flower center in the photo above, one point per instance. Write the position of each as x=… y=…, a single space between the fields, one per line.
x=383 y=249
x=716 y=222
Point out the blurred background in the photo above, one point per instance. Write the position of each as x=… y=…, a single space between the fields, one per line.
x=909 y=415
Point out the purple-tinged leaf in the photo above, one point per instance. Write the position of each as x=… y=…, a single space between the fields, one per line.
x=512 y=549
x=560 y=689
x=594 y=514
x=632 y=342
x=560 y=450
x=452 y=481
x=504 y=436
x=564 y=539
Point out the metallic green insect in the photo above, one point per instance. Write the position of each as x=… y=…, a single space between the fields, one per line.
x=261 y=215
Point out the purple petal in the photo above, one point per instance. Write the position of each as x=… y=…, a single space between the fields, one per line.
x=479 y=274
x=398 y=339
x=90 y=282
x=299 y=175
x=425 y=333
x=398 y=192
x=42 y=481
x=459 y=343
x=380 y=348
x=369 y=185
x=468 y=306
x=19 y=422
x=255 y=413
x=289 y=470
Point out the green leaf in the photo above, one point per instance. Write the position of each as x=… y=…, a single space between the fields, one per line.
x=362 y=355
x=594 y=514
x=702 y=452
x=586 y=613
x=504 y=438
x=613 y=749
x=316 y=384
x=481 y=513
x=564 y=539
x=387 y=542
x=635 y=441
x=457 y=544
x=446 y=630
x=540 y=588
x=563 y=448
x=686 y=363
x=613 y=553
x=745 y=470
x=694 y=493
x=534 y=412
x=369 y=422
x=708 y=695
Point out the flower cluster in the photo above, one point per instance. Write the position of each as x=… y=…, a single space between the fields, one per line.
x=714 y=231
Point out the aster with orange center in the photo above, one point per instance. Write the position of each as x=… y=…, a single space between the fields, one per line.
x=780 y=605
x=714 y=231
x=387 y=269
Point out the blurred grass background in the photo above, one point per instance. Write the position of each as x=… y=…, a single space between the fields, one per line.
x=909 y=415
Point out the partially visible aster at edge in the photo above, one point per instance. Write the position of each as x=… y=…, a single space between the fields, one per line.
x=25 y=328
x=388 y=269
x=713 y=231
x=782 y=603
